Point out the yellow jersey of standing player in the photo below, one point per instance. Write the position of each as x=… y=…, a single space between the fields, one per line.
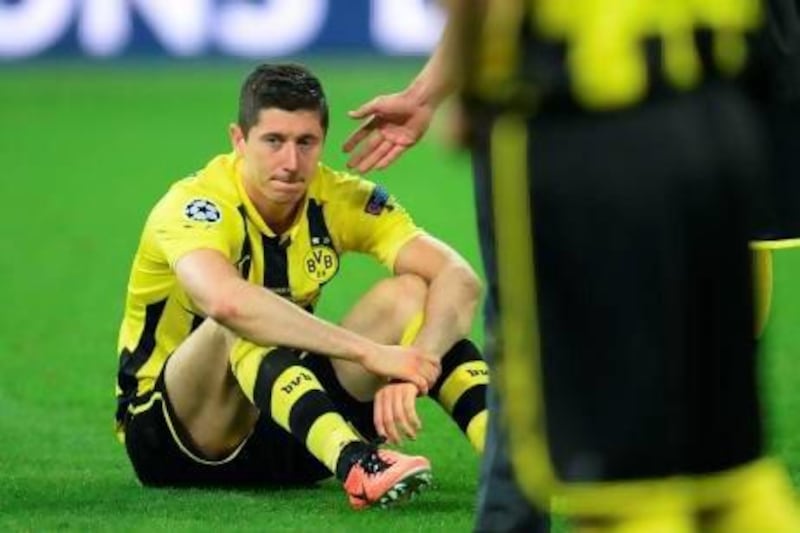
x=603 y=54
x=211 y=210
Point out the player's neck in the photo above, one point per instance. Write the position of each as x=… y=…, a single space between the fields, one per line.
x=279 y=217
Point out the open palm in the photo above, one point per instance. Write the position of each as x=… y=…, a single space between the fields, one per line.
x=394 y=123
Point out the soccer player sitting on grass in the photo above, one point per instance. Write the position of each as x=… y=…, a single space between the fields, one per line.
x=226 y=378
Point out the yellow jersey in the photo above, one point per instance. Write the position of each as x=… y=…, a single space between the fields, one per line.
x=599 y=54
x=210 y=210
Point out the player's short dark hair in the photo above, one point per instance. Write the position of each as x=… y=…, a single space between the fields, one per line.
x=285 y=86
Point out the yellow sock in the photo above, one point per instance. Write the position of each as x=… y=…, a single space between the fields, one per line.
x=280 y=385
x=461 y=391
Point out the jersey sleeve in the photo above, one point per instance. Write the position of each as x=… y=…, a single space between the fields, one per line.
x=182 y=222
x=366 y=218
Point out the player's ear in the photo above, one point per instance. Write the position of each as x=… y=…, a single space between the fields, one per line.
x=237 y=138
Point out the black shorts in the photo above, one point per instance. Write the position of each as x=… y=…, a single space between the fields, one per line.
x=162 y=455
x=779 y=220
x=641 y=347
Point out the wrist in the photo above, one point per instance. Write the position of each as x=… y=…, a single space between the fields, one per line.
x=360 y=350
x=422 y=93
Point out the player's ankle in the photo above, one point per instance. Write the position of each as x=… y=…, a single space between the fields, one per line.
x=349 y=455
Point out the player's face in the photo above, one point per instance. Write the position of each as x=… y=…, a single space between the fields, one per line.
x=281 y=152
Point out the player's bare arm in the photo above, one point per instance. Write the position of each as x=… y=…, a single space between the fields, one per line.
x=395 y=122
x=454 y=291
x=453 y=295
x=258 y=315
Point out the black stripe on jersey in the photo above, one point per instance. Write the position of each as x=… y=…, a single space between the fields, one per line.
x=246 y=259
x=131 y=362
x=276 y=265
x=318 y=229
x=316 y=224
x=468 y=405
x=197 y=320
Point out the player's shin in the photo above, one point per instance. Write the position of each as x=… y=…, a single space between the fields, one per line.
x=461 y=390
x=297 y=401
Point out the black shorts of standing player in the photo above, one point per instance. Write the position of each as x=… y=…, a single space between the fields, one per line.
x=774 y=81
x=775 y=84
x=781 y=222
x=778 y=221
x=162 y=455
x=625 y=288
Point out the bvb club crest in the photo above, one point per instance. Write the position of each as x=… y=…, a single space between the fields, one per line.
x=321 y=263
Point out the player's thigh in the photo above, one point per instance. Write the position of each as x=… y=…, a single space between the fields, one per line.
x=204 y=396
x=163 y=454
x=384 y=312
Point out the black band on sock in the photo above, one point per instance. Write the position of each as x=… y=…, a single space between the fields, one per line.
x=468 y=405
x=307 y=410
x=272 y=366
x=461 y=352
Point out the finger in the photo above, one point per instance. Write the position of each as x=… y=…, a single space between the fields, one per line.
x=366 y=149
x=370 y=108
x=389 y=421
x=377 y=414
x=421 y=383
x=431 y=372
x=377 y=154
x=437 y=368
x=359 y=135
x=400 y=413
x=393 y=154
x=410 y=404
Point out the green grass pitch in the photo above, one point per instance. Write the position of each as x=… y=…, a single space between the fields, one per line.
x=85 y=150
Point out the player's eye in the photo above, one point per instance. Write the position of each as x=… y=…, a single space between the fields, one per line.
x=306 y=143
x=273 y=141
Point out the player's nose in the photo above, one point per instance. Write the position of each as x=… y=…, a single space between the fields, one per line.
x=291 y=158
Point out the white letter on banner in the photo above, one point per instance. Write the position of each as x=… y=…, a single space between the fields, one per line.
x=272 y=28
x=30 y=26
x=406 y=26
x=180 y=26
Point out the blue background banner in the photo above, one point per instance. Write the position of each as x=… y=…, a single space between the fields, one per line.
x=224 y=28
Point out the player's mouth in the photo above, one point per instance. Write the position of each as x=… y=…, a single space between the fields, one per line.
x=287 y=184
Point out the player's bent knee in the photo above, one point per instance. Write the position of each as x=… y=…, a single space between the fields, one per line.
x=218 y=333
x=402 y=296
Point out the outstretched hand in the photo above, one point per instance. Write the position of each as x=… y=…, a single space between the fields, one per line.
x=394 y=123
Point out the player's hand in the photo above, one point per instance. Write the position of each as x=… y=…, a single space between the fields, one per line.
x=395 y=412
x=404 y=363
x=394 y=123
